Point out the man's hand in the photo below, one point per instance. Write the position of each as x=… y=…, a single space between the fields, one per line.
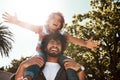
x=21 y=78
x=75 y=66
x=36 y=60
x=71 y=64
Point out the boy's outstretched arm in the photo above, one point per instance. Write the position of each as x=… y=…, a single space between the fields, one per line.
x=14 y=20
x=89 y=44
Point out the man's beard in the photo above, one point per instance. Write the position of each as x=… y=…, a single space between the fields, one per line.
x=54 y=54
x=50 y=52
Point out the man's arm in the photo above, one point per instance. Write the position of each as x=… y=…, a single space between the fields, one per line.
x=19 y=72
x=36 y=60
x=81 y=75
x=76 y=67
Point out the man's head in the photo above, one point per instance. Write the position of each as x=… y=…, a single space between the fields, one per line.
x=53 y=44
x=55 y=21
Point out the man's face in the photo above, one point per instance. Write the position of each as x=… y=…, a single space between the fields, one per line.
x=54 y=48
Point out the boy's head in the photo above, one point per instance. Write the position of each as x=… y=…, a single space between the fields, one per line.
x=54 y=42
x=55 y=21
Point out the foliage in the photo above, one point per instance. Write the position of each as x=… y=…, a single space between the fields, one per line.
x=5 y=40
x=14 y=65
x=103 y=23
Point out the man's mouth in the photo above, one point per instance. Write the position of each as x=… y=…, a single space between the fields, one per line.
x=54 y=50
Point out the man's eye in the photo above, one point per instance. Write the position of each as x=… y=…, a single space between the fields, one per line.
x=58 y=43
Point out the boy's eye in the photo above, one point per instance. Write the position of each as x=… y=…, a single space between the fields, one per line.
x=52 y=17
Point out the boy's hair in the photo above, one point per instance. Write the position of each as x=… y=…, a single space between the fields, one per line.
x=59 y=14
x=55 y=36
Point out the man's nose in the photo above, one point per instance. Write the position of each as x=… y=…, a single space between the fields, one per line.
x=55 y=44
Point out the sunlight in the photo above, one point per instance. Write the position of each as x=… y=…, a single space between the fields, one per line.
x=31 y=11
x=34 y=11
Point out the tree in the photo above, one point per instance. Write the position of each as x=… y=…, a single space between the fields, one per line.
x=103 y=23
x=5 y=40
x=15 y=64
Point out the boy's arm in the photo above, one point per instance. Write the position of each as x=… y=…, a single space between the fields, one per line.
x=14 y=20
x=89 y=44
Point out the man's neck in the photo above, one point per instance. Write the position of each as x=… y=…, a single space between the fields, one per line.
x=52 y=59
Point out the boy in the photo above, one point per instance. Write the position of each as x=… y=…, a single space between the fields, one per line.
x=54 y=23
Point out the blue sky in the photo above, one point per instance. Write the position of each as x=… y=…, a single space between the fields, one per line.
x=35 y=12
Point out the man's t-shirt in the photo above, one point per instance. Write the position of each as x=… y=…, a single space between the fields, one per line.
x=50 y=70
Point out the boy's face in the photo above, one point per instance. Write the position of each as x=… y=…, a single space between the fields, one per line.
x=54 y=48
x=54 y=23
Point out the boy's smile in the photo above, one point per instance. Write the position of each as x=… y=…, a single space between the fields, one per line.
x=54 y=23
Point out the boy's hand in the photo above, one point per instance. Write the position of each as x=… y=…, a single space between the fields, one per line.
x=92 y=44
x=9 y=18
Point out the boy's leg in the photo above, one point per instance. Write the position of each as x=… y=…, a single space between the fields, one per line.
x=70 y=73
x=42 y=55
x=32 y=71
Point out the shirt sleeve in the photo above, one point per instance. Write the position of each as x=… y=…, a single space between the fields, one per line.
x=64 y=33
x=39 y=29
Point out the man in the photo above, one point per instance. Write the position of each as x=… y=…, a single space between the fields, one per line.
x=53 y=45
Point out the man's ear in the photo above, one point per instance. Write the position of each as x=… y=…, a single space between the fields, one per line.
x=45 y=49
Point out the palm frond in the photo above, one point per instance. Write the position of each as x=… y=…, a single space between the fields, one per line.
x=5 y=40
